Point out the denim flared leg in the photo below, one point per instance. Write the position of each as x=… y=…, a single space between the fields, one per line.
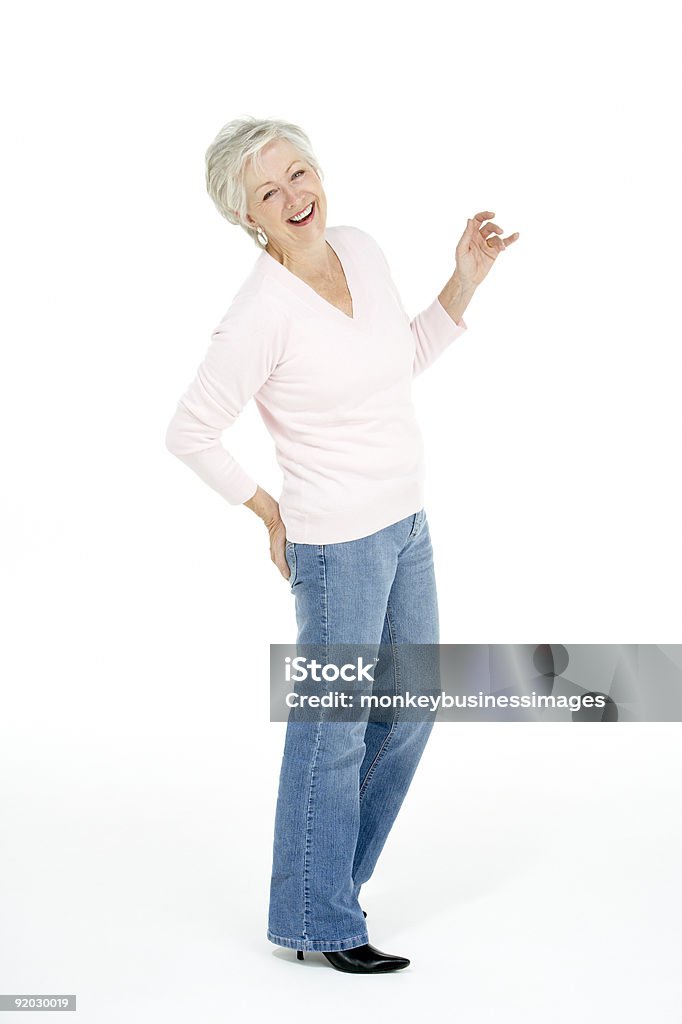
x=393 y=749
x=342 y=782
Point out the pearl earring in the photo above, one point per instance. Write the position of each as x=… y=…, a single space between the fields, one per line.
x=262 y=237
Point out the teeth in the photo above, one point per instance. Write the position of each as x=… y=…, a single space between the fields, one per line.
x=303 y=215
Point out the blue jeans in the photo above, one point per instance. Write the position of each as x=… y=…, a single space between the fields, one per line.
x=342 y=783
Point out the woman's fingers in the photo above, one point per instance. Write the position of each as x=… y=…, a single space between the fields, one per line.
x=280 y=559
x=495 y=243
x=278 y=542
x=491 y=228
x=490 y=231
x=283 y=566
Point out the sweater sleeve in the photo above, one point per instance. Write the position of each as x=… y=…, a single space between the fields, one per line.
x=433 y=329
x=242 y=354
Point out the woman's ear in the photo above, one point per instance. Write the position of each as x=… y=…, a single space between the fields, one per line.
x=237 y=216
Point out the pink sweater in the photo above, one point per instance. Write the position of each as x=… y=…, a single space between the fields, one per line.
x=333 y=391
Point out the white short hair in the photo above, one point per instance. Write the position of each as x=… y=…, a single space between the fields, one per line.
x=237 y=143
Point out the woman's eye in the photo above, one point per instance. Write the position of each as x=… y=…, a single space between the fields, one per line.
x=268 y=194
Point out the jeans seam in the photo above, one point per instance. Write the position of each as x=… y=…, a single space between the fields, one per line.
x=308 y=832
x=325 y=601
x=318 y=740
x=391 y=732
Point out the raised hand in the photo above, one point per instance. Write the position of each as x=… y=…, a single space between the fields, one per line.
x=478 y=248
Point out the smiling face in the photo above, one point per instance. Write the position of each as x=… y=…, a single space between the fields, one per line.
x=285 y=185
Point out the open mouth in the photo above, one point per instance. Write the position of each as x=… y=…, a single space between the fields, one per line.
x=305 y=216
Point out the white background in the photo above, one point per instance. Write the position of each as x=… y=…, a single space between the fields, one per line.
x=533 y=874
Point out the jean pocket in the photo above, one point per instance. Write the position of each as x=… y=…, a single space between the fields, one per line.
x=418 y=524
x=290 y=555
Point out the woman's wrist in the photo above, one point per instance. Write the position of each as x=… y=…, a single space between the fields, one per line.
x=456 y=296
x=265 y=507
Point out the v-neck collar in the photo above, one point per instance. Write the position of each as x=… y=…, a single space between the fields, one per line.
x=308 y=293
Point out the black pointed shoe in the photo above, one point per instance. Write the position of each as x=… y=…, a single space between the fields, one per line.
x=363 y=960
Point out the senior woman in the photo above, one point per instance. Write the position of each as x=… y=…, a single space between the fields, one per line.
x=318 y=336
